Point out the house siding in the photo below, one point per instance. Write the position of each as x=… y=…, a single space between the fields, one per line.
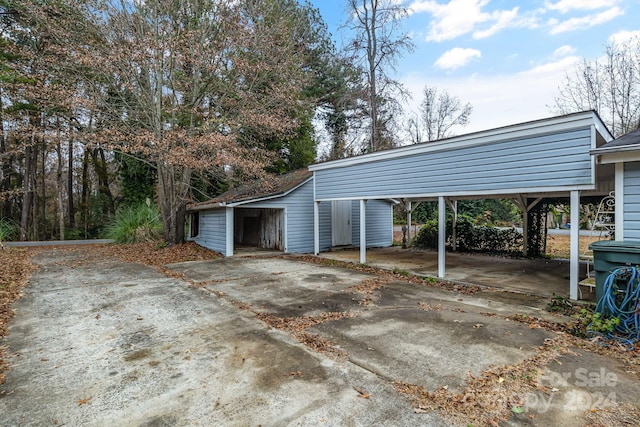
x=213 y=225
x=632 y=201
x=558 y=160
x=379 y=217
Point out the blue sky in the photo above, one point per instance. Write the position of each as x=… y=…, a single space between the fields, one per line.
x=507 y=58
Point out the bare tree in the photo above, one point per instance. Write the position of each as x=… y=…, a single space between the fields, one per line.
x=440 y=112
x=610 y=86
x=377 y=44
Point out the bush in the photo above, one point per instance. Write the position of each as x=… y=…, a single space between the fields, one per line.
x=134 y=224
x=9 y=230
x=471 y=238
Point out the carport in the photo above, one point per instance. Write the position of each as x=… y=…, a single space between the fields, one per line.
x=527 y=162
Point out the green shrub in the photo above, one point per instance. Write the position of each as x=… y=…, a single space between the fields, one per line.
x=471 y=238
x=9 y=230
x=140 y=223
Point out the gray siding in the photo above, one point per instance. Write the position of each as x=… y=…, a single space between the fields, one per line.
x=632 y=201
x=213 y=224
x=379 y=223
x=324 y=215
x=557 y=160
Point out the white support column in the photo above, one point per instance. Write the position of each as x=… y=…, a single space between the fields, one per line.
x=229 y=232
x=619 y=207
x=316 y=228
x=363 y=231
x=442 y=235
x=575 y=245
x=408 y=222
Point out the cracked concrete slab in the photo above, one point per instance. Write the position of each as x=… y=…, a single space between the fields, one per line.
x=100 y=342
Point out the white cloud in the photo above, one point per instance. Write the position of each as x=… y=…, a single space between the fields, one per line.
x=584 y=22
x=504 y=18
x=552 y=67
x=624 y=36
x=564 y=51
x=500 y=99
x=564 y=6
x=458 y=17
x=456 y=58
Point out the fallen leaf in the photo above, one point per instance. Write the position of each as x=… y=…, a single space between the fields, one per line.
x=517 y=410
x=500 y=380
x=84 y=401
x=361 y=393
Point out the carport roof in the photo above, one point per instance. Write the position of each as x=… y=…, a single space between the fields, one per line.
x=268 y=188
x=627 y=142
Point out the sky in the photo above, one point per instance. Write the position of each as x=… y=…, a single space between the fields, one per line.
x=507 y=58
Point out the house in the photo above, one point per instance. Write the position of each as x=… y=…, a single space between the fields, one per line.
x=624 y=154
x=279 y=214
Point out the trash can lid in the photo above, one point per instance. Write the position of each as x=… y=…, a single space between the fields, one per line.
x=628 y=246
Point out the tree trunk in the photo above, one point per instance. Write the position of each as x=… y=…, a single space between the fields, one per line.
x=172 y=194
x=84 y=195
x=59 y=186
x=27 y=193
x=5 y=161
x=100 y=166
x=70 y=211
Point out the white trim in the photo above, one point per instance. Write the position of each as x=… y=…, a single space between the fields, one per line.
x=619 y=202
x=316 y=228
x=286 y=230
x=512 y=132
x=363 y=231
x=442 y=235
x=229 y=232
x=574 y=263
x=273 y=196
x=510 y=191
x=616 y=149
x=618 y=157
x=594 y=141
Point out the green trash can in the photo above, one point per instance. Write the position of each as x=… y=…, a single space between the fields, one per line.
x=609 y=255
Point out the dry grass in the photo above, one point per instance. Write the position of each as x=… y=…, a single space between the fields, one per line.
x=558 y=245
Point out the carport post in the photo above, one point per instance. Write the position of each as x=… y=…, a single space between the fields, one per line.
x=229 y=232
x=316 y=228
x=442 y=230
x=574 y=264
x=408 y=205
x=363 y=231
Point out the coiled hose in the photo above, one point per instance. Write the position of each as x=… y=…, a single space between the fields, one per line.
x=622 y=301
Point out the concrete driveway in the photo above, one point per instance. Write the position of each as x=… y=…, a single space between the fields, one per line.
x=270 y=342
